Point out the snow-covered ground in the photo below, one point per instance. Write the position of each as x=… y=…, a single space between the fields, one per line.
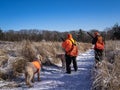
x=54 y=78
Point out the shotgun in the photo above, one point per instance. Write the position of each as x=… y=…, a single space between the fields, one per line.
x=62 y=39
x=90 y=34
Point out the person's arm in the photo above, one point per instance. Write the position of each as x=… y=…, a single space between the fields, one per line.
x=94 y=40
x=66 y=45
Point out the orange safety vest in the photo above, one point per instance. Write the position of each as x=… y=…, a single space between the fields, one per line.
x=36 y=64
x=70 y=49
x=67 y=45
x=99 y=44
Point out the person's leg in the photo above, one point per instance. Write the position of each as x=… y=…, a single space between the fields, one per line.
x=74 y=63
x=68 y=62
x=96 y=56
x=101 y=55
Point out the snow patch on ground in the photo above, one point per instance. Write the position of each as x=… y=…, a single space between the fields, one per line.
x=54 y=78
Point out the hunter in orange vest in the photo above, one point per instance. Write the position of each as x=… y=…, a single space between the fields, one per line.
x=98 y=47
x=69 y=44
x=71 y=52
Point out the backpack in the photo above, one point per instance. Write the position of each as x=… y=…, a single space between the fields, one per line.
x=99 y=43
x=74 y=50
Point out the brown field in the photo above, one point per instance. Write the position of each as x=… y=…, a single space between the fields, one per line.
x=14 y=55
x=107 y=77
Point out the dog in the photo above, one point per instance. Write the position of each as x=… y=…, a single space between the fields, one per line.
x=62 y=58
x=31 y=68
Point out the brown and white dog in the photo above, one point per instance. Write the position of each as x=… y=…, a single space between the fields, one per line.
x=62 y=58
x=31 y=69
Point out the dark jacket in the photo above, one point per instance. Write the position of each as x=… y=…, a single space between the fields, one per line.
x=94 y=40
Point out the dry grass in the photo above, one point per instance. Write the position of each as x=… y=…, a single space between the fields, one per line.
x=83 y=46
x=107 y=77
x=27 y=50
x=14 y=55
x=18 y=66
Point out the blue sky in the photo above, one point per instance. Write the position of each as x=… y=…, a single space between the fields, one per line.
x=59 y=15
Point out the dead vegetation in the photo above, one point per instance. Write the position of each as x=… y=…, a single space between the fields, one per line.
x=14 y=55
x=107 y=77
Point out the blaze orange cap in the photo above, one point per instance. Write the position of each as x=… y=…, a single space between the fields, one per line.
x=69 y=36
x=96 y=33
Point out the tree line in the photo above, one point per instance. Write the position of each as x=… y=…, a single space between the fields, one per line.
x=39 y=35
